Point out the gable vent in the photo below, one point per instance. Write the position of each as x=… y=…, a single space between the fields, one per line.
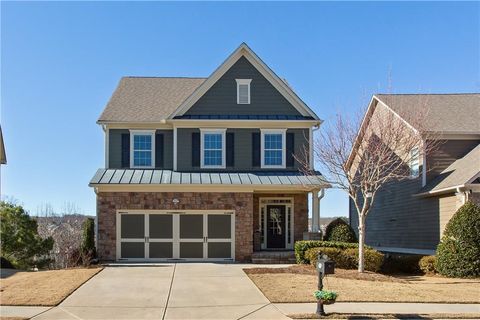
x=243 y=91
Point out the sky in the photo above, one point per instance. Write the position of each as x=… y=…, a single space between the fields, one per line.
x=61 y=61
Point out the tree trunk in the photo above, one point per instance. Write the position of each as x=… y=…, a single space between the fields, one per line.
x=361 y=244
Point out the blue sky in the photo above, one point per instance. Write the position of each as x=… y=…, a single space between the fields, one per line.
x=60 y=62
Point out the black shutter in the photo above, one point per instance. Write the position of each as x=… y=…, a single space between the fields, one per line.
x=256 y=149
x=195 y=149
x=290 y=149
x=159 y=150
x=230 y=152
x=125 y=150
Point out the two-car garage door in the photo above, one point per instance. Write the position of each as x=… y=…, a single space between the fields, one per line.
x=190 y=235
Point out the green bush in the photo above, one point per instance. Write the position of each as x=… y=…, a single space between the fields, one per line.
x=302 y=246
x=87 y=248
x=401 y=263
x=339 y=230
x=427 y=264
x=20 y=242
x=458 y=254
x=347 y=258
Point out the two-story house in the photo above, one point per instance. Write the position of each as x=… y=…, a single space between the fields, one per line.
x=194 y=167
x=409 y=216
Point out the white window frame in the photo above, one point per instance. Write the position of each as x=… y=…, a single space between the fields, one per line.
x=243 y=82
x=202 y=156
x=414 y=160
x=262 y=144
x=142 y=133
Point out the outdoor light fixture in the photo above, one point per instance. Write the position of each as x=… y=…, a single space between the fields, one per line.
x=175 y=201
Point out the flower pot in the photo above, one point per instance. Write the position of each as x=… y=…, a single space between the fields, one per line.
x=328 y=302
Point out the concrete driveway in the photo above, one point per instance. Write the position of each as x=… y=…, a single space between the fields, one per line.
x=167 y=291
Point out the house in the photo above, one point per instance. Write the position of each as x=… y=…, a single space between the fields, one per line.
x=195 y=167
x=409 y=216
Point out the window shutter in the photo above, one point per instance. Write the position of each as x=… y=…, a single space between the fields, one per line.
x=256 y=149
x=125 y=150
x=195 y=149
x=290 y=149
x=159 y=150
x=230 y=151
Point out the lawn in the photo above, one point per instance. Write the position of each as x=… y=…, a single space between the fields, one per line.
x=297 y=284
x=43 y=288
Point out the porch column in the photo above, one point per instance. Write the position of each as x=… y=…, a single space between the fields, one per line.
x=315 y=211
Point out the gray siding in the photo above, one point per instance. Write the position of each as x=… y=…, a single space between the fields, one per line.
x=446 y=153
x=400 y=219
x=242 y=153
x=448 y=206
x=115 y=148
x=221 y=99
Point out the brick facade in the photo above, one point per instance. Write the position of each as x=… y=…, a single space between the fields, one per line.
x=244 y=204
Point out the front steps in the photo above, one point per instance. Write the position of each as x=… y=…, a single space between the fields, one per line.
x=273 y=257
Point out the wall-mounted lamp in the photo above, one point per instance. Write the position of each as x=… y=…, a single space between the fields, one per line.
x=175 y=201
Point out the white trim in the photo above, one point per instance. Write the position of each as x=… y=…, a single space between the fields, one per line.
x=202 y=156
x=405 y=250
x=243 y=82
x=174 y=148
x=263 y=218
x=175 y=240
x=244 y=51
x=142 y=132
x=310 y=148
x=262 y=147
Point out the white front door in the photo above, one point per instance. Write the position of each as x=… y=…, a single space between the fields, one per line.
x=190 y=235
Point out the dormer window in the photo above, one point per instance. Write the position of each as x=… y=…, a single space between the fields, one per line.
x=243 y=91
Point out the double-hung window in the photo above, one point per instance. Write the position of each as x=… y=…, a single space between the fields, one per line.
x=273 y=148
x=414 y=163
x=142 y=154
x=213 y=148
x=243 y=91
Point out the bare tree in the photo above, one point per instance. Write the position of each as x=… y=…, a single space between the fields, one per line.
x=361 y=154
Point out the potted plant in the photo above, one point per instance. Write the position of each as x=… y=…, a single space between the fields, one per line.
x=325 y=296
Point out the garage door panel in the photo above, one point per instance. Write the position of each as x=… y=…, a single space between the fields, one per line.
x=161 y=226
x=132 y=226
x=191 y=226
x=219 y=250
x=219 y=226
x=191 y=250
x=133 y=250
x=161 y=250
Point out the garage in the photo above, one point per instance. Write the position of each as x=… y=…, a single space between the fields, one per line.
x=188 y=235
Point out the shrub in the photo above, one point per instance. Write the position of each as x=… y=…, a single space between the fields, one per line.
x=427 y=264
x=401 y=263
x=347 y=258
x=339 y=230
x=20 y=242
x=87 y=248
x=458 y=254
x=5 y=264
x=302 y=246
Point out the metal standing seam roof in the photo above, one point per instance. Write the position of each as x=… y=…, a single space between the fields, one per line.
x=162 y=177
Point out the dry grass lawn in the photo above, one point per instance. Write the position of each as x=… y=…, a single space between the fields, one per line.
x=369 y=316
x=42 y=288
x=297 y=284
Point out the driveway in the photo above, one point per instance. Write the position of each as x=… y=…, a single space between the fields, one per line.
x=167 y=291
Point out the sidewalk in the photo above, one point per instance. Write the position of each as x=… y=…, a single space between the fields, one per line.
x=21 y=311
x=375 y=307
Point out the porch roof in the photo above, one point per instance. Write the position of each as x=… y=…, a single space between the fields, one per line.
x=169 y=177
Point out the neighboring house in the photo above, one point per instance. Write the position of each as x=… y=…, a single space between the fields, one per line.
x=409 y=216
x=195 y=166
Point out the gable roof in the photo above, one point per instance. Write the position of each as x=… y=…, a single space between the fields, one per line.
x=458 y=174
x=445 y=113
x=147 y=99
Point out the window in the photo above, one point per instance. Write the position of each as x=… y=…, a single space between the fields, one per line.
x=414 y=163
x=142 y=149
x=213 y=148
x=243 y=91
x=273 y=148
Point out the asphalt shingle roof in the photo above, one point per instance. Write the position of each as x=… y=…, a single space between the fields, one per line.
x=449 y=113
x=147 y=99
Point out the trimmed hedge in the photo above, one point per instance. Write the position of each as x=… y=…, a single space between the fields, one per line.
x=347 y=258
x=302 y=246
x=427 y=264
x=458 y=254
x=339 y=230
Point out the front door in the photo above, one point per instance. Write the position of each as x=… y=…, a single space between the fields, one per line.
x=276 y=231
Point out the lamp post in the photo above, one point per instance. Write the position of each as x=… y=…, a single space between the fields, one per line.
x=324 y=266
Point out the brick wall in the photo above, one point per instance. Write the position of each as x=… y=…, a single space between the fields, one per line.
x=300 y=211
x=109 y=202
